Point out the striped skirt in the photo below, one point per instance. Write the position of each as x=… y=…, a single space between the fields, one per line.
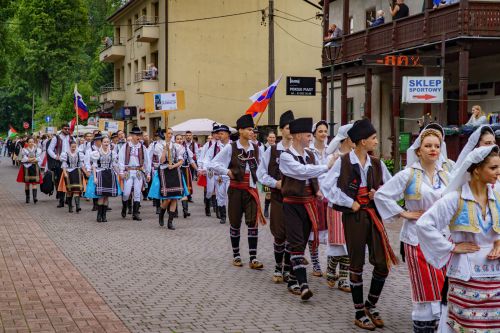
x=474 y=305
x=335 y=227
x=426 y=281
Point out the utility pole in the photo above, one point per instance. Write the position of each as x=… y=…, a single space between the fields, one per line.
x=271 y=106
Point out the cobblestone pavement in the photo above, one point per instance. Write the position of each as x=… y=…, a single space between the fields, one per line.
x=157 y=280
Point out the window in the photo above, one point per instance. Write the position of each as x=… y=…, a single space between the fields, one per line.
x=351 y=25
x=371 y=14
x=143 y=63
x=136 y=68
x=129 y=72
x=350 y=109
x=122 y=77
x=129 y=28
x=144 y=12
x=117 y=37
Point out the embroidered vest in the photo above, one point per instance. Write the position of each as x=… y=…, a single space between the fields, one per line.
x=466 y=219
x=239 y=160
x=273 y=169
x=128 y=149
x=413 y=189
x=292 y=187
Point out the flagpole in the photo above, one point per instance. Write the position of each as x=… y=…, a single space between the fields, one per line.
x=75 y=103
x=258 y=119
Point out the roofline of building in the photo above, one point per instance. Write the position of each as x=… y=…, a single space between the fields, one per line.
x=121 y=10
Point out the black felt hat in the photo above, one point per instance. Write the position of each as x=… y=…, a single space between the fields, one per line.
x=215 y=127
x=301 y=125
x=136 y=130
x=361 y=129
x=245 y=121
x=286 y=118
x=98 y=136
x=114 y=135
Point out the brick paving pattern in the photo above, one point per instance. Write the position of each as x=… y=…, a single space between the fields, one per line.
x=157 y=280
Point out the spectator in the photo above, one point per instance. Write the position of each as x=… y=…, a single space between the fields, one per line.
x=399 y=10
x=333 y=33
x=152 y=72
x=107 y=41
x=379 y=20
x=478 y=117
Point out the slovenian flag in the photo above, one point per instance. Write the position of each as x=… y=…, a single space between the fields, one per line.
x=12 y=132
x=80 y=106
x=262 y=98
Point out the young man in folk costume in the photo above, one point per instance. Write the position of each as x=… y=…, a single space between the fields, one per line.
x=195 y=149
x=300 y=189
x=58 y=145
x=134 y=165
x=239 y=160
x=355 y=178
x=208 y=152
x=269 y=175
x=168 y=184
x=221 y=180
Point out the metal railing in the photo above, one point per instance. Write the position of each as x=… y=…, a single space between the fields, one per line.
x=113 y=42
x=111 y=87
x=146 y=75
x=145 y=20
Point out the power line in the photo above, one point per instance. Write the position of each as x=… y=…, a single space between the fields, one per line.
x=156 y=23
x=298 y=40
x=299 y=19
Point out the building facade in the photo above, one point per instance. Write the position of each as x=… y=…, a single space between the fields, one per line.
x=464 y=36
x=215 y=51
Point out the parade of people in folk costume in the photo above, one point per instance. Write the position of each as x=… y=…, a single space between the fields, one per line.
x=318 y=193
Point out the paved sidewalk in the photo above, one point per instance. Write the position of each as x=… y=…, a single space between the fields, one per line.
x=41 y=290
x=157 y=280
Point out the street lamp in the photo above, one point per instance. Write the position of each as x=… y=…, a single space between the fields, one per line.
x=332 y=51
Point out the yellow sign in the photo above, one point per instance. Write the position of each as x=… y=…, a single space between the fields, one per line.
x=111 y=126
x=166 y=101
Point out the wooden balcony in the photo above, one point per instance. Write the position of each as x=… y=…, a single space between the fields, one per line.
x=480 y=19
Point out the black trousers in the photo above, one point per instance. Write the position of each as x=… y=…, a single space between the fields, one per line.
x=297 y=225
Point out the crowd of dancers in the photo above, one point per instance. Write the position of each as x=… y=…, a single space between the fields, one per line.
x=336 y=194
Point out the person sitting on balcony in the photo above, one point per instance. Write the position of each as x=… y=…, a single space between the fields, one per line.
x=477 y=118
x=399 y=10
x=107 y=41
x=379 y=20
x=152 y=72
x=333 y=33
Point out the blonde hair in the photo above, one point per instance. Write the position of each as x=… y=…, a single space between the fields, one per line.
x=481 y=113
x=426 y=133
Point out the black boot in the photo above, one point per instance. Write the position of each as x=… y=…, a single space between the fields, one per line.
x=222 y=213
x=135 y=214
x=185 y=208
x=124 y=208
x=61 y=200
x=104 y=210
x=129 y=206
x=267 y=202
x=176 y=213
x=170 y=224
x=156 y=203
x=94 y=207
x=77 y=204
x=161 y=217
x=69 y=201
x=214 y=206
x=35 y=200
x=207 y=207
x=27 y=195
x=99 y=213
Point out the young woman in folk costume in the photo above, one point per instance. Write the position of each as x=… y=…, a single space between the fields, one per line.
x=470 y=209
x=187 y=163
x=29 y=172
x=72 y=164
x=421 y=185
x=336 y=250
x=481 y=137
x=318 y=148
x=445 y=162
x=103 y=181
x=168 y=184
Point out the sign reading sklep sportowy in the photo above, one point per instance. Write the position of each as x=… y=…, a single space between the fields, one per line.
x=300 y=86
x=423 y=89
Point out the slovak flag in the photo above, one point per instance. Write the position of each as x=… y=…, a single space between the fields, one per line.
x=80 y=106
x=261 y=99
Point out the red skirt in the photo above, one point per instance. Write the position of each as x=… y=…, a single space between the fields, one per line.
x=426 y=281
x=335 y=227
x=31 y=175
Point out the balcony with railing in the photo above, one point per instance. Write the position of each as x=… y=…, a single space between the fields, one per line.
x=146 y=81
x=113 y=50
x=112 y=92
x=147 y=29
x=480 y=19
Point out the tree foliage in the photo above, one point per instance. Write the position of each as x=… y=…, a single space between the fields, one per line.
x=46 y=46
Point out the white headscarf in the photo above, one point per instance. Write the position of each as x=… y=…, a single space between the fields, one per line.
x=337 y=140
x=461 y=176
x=471 y=144
x=411 y=155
